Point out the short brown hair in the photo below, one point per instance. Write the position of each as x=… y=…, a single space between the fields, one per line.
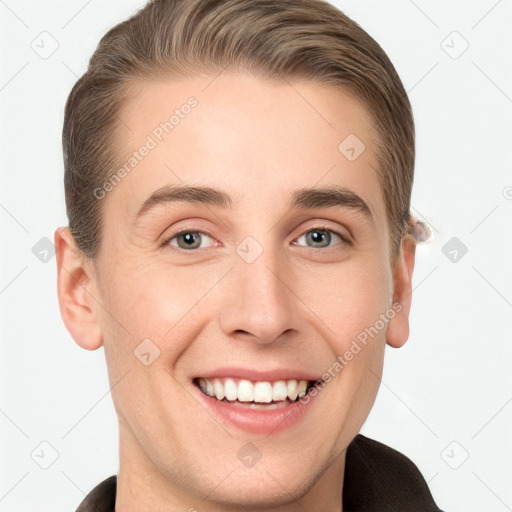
x=277 y=39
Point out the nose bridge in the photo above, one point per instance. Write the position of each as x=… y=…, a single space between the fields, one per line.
x=259 y=303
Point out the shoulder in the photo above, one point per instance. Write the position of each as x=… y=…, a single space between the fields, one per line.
x=378 y=477
x=102 y=498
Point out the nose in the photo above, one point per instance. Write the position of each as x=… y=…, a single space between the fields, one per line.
x=259 y=304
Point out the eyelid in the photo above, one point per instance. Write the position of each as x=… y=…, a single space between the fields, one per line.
x=324 y=225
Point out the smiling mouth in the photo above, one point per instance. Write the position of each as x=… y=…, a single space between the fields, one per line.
x=255 y=394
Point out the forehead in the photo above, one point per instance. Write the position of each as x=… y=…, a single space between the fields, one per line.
x=259 y=140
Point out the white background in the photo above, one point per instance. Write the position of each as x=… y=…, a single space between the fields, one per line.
x=446 y=395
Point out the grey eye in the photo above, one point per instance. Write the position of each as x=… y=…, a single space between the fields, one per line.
x=318 y=238
x=188 y=239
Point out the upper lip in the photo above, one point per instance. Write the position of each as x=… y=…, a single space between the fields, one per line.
x=259 y=375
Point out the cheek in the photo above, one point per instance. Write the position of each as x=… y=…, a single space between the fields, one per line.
x=348 y=299
x=354 y=309
x=146 y=302
x=156 y=301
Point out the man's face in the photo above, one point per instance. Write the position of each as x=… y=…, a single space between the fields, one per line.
x=260 y=290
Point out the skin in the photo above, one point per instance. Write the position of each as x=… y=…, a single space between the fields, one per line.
x=295 y=305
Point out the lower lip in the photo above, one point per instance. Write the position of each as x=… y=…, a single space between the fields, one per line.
x=257 y=421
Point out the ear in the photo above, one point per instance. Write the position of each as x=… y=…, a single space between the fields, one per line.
x=398 y=327
x=74 y=278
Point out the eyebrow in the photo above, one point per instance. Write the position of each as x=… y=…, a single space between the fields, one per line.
x=302 y=199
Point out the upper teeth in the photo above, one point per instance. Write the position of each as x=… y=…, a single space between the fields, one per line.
x=249 y=391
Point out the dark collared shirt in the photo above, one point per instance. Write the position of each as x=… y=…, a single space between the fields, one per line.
x=377 y=479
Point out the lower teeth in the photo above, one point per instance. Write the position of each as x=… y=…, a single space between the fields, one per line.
x=253 y=405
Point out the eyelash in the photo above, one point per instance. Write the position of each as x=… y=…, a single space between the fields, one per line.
x=167 y=241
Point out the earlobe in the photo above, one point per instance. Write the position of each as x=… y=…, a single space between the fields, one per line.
x=75 y=302
x=398 y=327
